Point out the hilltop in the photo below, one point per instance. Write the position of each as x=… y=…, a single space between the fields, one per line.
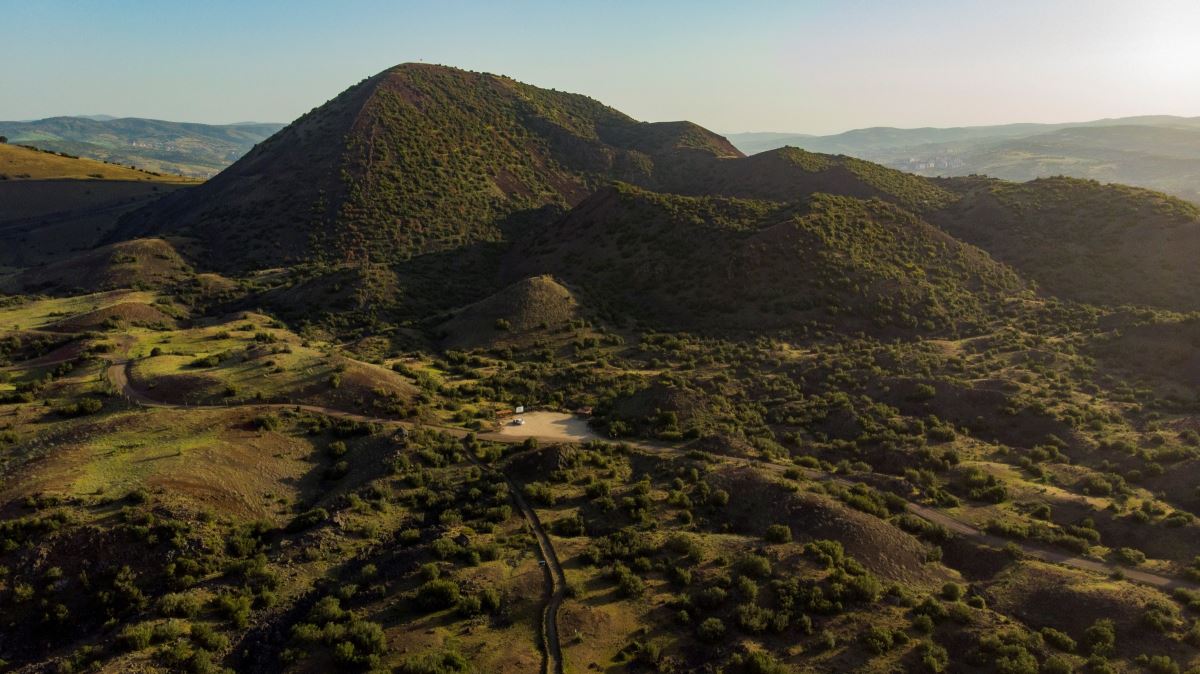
x=183 y=148
x=141 y=263
x=414 y=160
x=536 y=307
x=421 y=159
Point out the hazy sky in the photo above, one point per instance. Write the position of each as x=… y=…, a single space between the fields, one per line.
x=805 y=66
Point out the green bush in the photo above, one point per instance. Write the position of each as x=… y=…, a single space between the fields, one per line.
x=878 y=640
x=441 y=662
x=1060 y=640
x=1129 y=556
x=779 y=533
x=755 y=566
x=1101 y=637
x=711 y=630
x=933 y=658
x=135 y=637
x=438 y=594
x=180 y=605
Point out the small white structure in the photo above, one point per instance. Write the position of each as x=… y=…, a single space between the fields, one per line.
x=520 y=409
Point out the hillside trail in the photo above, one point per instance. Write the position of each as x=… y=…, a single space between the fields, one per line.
x=556 y=581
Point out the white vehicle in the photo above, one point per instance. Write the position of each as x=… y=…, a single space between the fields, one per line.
x=518 y=422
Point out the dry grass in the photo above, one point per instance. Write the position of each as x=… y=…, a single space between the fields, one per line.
x=22 y=163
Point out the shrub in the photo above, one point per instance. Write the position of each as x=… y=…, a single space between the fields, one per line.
x=211 y=360
x=753 y=618
x=711 y=630
x=442 y=662
x=933 y=658
x=628 y=582
x=168 y=631
x=1060 y=640
x=685 y=545
x=1056 y=664
x=878 y=640
x=207 y=638
x=755 y=566
x=1161 y=664
x=1129 y=556
x=952 y=591
x=180 y=605
x=438 y=594
x=135 y=637
x=308 y=519
x=81 y=408
x=1101 y=637
x=923 y=624
x=760 y=662
x=235 y=608
x=779 y=533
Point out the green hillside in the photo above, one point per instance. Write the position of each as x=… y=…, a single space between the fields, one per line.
x=705 y=263
x=415 y=160
x=1082 y=240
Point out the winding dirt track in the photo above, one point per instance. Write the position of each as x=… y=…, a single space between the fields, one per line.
x=556 y=580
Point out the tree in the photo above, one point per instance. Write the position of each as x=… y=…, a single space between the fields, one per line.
x=3 y=139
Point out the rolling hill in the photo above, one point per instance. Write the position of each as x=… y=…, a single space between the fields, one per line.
x=1157 y=152
x=1085 y=241
x=54 y=205
x=704 y=263
x=194 y=150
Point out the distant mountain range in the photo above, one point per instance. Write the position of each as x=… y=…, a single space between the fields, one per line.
x=194 y=150
x=1159 y=152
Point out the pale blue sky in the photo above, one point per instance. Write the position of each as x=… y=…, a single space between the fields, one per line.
x=804 y=66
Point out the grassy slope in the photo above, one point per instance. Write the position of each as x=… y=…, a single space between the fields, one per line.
x=23 y=163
